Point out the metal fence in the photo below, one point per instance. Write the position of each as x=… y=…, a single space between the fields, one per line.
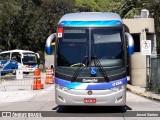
x=154 y=75
x=12 y=82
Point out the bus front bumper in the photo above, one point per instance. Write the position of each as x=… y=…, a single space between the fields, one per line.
x=110 y=97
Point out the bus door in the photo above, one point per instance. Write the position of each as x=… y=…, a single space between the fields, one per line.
x=15 y=60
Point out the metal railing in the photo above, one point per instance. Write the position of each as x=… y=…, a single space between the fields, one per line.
x=9 y=81
x=154 y=75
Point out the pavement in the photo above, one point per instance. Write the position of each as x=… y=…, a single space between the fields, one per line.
x=14 y=96
x=9 y=96
x=143 y=92
x=20 y=91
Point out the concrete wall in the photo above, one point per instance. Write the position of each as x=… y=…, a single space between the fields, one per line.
x=138 y=24
x=138 y=66
x=138 y=70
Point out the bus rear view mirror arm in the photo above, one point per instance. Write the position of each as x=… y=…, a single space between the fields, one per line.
x=37 y=55
x=130 y=43
x=49 y=42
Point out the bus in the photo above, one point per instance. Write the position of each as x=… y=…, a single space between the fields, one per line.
x=24 y=60
x=90 y=59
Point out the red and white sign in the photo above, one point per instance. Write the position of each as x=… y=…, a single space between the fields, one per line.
x=60 y=31
x=146 y=47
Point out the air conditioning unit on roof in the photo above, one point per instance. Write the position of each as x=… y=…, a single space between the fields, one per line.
x=144 y=13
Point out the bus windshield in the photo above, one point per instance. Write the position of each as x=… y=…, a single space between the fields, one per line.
x=77 y=44
x=29 y=59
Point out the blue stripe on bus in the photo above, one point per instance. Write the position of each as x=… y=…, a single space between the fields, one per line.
x=91 y=23
x=130 y=50
x=7 y=65
x=91 y=86
x=49 y=50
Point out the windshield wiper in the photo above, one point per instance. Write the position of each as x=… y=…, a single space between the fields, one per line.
x=100 y=68
x=79 y=69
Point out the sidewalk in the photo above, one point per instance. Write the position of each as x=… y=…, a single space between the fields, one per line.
x=14 y=96
x=23 y=95
x=143 y=92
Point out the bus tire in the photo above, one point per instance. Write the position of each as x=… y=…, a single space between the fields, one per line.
x=26 y=73
x=3 y=74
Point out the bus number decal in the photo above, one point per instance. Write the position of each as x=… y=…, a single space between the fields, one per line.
x=116 y=83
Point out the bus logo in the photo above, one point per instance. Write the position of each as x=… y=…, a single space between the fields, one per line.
x=90 y=80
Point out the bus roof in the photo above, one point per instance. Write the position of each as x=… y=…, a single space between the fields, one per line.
x=91 y=19
x=17 y=50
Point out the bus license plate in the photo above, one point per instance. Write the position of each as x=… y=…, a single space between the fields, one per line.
x=89 y=100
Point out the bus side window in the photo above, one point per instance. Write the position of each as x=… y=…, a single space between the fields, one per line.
x=6 y=56
x=1 y=57
x=13 y=57
x=16 y=56
x=19 y=58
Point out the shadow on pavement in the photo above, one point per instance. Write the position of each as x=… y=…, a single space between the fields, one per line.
x=91 y=109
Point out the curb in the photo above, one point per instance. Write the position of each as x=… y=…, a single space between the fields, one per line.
x=143 y=93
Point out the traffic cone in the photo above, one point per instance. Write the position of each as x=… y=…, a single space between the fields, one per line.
x=37 y=80
x=49 y=76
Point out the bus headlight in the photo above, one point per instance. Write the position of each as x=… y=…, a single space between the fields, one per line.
x=118 y=88
x=61 y=88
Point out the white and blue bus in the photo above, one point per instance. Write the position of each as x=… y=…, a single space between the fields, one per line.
x=91 y=59
x=24 y=60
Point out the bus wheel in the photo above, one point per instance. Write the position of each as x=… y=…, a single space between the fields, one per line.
x=3 y=74
x=13 y=71
x=26 y=73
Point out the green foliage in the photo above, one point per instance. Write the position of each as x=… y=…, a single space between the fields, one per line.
x=130 y=8
x=96 y=5
x=86 y=6
x=26 y=24
x=30 y=25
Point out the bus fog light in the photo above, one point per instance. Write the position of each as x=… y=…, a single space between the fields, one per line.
x=61 y=98
x=57 y=86
x=119 y=99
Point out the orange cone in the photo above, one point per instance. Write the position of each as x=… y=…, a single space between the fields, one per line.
x=37 y=80
x=49 y=76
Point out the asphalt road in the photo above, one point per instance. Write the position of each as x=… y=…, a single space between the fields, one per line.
x=43 y=101
x=18 y=97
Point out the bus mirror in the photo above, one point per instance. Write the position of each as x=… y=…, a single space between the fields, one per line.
x=49 y=43
x=38 y=58
x=130 y=43
x=37 y=55
x=22 y=56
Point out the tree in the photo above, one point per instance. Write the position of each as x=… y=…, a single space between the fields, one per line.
x=8 y=9
x=32 y=23
x=130 y=8
x=28 y=23
x=96 y=5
